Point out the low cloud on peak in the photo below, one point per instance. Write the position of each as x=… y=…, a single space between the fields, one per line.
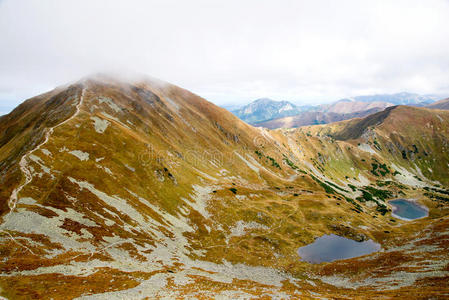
x=230 y=51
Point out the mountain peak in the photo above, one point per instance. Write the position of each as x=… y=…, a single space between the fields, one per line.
x=265 y=109
x=121 y=184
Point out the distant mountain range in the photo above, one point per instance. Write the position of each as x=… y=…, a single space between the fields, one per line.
x=347 y=106
x=115 y=189
x=442 y=104
x=315 y=118
x=266 y=109
x=274 y=114
x=402 y=98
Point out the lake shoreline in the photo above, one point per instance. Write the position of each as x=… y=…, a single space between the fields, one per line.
x=414 y=202
x=331 y=247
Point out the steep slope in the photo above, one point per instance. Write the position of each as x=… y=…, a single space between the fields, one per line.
x=415 y=138
x=131 y=181
x=114 y=189
x=23 y=129
x=442 y=104
x=353 y=129
x=314 y=118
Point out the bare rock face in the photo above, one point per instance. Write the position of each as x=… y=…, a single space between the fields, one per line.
x=119 y=190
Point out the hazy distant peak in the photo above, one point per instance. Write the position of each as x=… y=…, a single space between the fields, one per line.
x=265 y=109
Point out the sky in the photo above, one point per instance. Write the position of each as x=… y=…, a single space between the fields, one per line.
x=229 y=52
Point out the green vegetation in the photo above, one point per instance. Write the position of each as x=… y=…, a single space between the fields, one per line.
x=417 y=178
x=318 y=165
x=379 y=194
x=382 y=209
x=337 y=187
x=436 y=197
x=366 y=196
x=404 y=154
x=441 y=191
x=391 y=184
x=377 y=145
x=326 y=187
x=274 y=162
x=384 y=183
x=370 y=193
x=358 y=206
x=353 y=187
x=432 y=193
x=290 y=163
x=381 y=168
x=374 y=169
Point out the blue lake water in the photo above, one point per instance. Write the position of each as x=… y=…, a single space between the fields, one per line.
x=408 y=210
x=332 y=247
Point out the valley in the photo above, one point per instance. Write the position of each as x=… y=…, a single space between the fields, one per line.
x=114 y=189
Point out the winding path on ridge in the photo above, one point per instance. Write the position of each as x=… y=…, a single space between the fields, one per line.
x=12 y=202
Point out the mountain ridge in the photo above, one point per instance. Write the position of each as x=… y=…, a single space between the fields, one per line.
x=314 y=118
x=441 y=104
x=401 y=98
x=265 y=109
x=145 y=189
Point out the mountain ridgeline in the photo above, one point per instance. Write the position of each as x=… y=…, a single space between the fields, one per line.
x=282 y=114
x=442 y=104
x=314 y=118
x=267 y=109
x=114 y=189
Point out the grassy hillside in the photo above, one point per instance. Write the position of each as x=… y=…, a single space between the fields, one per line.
x=142 y=189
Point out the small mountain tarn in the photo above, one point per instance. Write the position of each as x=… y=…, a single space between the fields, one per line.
x=408 y=210
x=328 y=248
x=182 y=199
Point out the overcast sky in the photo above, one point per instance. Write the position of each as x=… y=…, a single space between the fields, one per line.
x=230 y=51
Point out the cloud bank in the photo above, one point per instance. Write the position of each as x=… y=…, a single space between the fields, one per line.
x=230 y=51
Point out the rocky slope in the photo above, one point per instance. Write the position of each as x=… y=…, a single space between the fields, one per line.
x=114 y=189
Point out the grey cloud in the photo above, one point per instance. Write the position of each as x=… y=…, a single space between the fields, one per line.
x=231 y=51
